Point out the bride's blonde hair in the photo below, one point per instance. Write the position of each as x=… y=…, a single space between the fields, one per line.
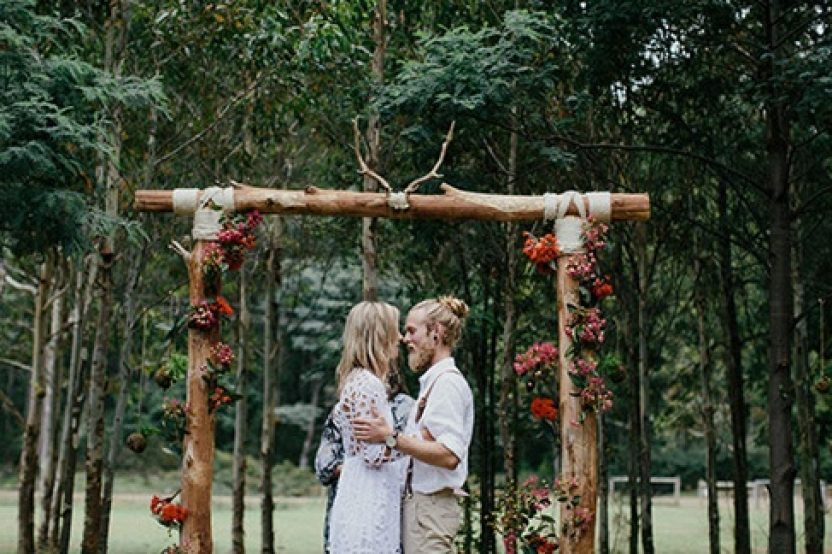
x=371 y=330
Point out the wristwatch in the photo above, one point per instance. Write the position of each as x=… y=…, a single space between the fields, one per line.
x=391 y=441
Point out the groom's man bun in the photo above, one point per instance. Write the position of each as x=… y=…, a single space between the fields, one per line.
x=447 y=311
x=458 y=307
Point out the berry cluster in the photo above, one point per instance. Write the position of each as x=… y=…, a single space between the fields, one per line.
x=586 y=325
x=219 y=398
x=539 y=356
x=206 y=315
x=222 y=354
x=596 y=396
x=236 y=237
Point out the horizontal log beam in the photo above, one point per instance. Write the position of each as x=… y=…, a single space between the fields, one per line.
x=452 y=204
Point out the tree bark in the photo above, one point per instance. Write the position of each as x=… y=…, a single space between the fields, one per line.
x=733 y=364
x=508 y=383
x=303 y=460
x=271 y=321
x=644 y=396
x=240 y=428
x=34 y=407
x=52 y=403
x=68 y=456
x=94 y=464
x=453 y=204
x=369 y=226
x=808 y=450
x=781 y=300
x=125 y=378
x=705 y=367
x=93 y=509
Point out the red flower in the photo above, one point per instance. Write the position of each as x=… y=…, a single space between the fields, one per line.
x=223 y=307
x=544 y=408
x=602 y=288
x=541 y=251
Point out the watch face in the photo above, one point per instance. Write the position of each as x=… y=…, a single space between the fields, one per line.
x=390 y=441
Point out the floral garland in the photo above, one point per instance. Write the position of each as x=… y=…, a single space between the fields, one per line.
x=235 y=238
x=522 y=518
x=538 y=366
x=585 y=325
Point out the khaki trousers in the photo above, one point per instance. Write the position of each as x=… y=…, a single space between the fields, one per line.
x=430 y=522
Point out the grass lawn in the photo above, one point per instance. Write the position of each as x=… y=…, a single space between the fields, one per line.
x=298 y=525
x=679 y=529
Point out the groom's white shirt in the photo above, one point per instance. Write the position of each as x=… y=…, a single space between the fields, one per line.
x=449 y=417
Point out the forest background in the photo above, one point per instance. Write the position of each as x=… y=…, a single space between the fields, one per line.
x=721 y=111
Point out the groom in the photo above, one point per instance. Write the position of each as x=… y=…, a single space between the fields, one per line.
x=438 y=431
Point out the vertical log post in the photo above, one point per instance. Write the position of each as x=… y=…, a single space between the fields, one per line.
x=198 y=445
x=207 y=206
x=579 y=451
x=578 y=429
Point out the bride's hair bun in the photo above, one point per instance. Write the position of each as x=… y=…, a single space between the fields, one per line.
x=457 y=307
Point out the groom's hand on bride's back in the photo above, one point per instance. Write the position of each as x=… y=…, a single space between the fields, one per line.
x=372 y=429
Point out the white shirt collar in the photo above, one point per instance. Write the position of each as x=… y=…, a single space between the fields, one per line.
x=433 y=372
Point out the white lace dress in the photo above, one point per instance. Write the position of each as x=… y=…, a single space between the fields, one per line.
x=366 y=516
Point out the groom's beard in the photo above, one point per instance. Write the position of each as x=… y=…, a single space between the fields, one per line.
x=419 y=359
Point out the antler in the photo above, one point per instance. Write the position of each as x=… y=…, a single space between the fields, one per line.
x=365 y=170
x=433 y=173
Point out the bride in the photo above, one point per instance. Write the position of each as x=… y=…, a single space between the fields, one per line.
x=366 y=513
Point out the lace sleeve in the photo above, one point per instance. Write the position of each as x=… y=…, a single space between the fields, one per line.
x=361 y=395
x=330 y=453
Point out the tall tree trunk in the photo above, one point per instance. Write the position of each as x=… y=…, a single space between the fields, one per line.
x=733 y=364
x=65 y=484
x=52 y=403
x=303 y=460
x=370 y=225
x=644 y=395
x=34 y=406
x=508 y=383
x=813 y=509
x=125 y=377
x=781 y=300
x=94 y=464
x=240 y=429
x=634 y=425
x=272 y=350
x=113 y=60
x=705 y=368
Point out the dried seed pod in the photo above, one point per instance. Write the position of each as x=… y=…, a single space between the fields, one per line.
x=162 y=377
x=136 y=442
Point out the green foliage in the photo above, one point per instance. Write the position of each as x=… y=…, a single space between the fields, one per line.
x=53 y=128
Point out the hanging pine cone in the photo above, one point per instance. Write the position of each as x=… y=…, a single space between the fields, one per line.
x=162 y=377
x=136 y=442
x=823 y=384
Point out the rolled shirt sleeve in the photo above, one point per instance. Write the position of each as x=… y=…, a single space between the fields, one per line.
x=445 y=413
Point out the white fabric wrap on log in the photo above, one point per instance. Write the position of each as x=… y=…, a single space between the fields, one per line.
x=568 y=228
x=207 y=205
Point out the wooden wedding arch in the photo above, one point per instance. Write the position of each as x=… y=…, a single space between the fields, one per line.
x=578 y=442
